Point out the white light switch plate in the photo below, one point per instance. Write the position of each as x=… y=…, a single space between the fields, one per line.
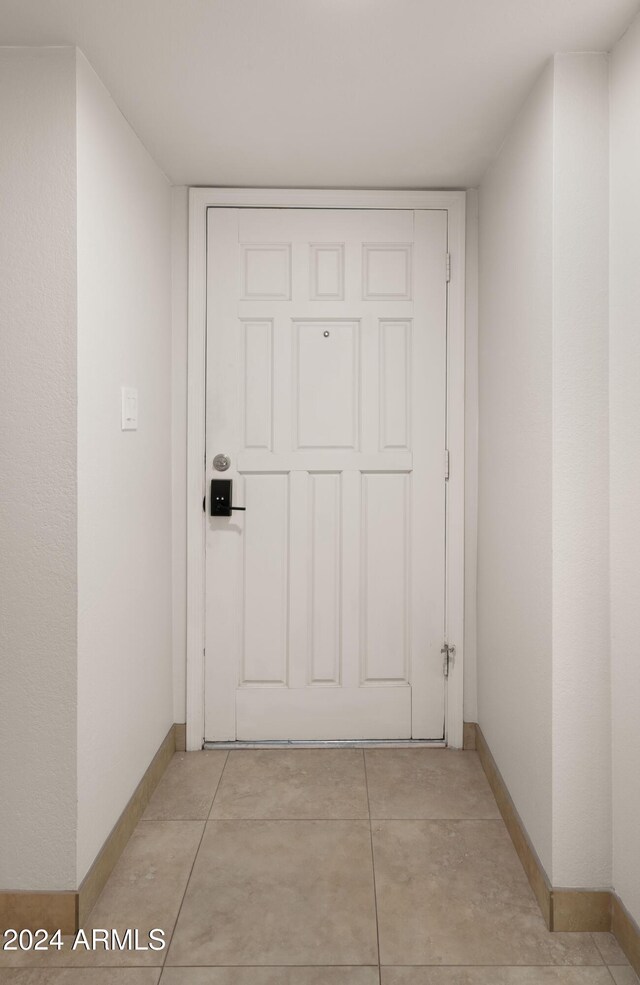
x=129 y=408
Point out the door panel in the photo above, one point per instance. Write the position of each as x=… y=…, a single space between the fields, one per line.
x=326 y=350
x=385 y=578
x=265 y=590
x=325 y=656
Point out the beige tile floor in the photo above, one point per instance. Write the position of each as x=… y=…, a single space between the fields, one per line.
x=325 y=867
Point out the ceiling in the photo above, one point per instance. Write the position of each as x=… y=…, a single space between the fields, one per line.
x=333 y=93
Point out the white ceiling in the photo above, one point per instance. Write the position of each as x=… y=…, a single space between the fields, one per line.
x=350 y=93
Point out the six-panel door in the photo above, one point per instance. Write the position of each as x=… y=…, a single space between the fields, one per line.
x=326 y=369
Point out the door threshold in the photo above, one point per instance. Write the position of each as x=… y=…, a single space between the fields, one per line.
x=330 y=744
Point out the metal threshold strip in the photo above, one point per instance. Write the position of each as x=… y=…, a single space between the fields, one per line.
x=330 y=744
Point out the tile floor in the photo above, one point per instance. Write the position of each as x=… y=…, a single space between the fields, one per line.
x=325 y=867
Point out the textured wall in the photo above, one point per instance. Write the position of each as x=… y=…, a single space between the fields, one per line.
x=37 y=468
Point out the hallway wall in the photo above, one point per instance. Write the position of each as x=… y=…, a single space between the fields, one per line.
x=124 y=477
x=85 y=521
x=543 y=636
x=515 y=456
x=581 y=623
x=625 y=463
x=38 y=468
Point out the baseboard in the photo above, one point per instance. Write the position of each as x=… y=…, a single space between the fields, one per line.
x=31 y=910
x=469 y=735
x=626 y=931
x=181 y=736
x=566 y=910
x=104 y=862
x=526 y=852
x=66 y=910
x=581 y=909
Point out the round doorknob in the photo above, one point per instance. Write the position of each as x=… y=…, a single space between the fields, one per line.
x=221 y=463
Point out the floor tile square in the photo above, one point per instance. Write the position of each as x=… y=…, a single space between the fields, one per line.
x=428 y=783
x=143 y=892
x=454 y=893
x=292 y=783
x=185 y=792
x=146 y=887
x=279 y=893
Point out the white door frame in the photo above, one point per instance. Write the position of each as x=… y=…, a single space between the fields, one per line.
x=200 y=200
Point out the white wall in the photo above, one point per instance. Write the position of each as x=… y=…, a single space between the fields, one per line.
x=124 y=477
x=625 y=463
x=581 y=653
x=543 y=661
x=37 y=468
x=514 y=497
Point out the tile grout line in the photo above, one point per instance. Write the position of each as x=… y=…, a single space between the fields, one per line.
x=400 y=820
x=597 y=947
x=157 y=967
x=604 y=961
x=608 y=967
x=215 y=793
x=508 y=965
x=204 y=828
x=373 y=864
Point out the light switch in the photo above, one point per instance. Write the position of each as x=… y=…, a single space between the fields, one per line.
x=129 y=408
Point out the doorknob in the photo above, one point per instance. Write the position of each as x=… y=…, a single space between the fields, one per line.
x=221 y=463
x=221 y=492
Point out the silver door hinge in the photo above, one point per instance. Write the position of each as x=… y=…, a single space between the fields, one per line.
x=448 y=266
x=449 y=653
x=446 y=463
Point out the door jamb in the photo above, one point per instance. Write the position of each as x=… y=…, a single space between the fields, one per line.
x=200 y=200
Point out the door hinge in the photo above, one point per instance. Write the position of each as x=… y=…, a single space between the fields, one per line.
x=449 y=653
x=448 y=266
x=446 y=463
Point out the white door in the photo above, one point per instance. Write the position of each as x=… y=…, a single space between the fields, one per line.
x=326 y=370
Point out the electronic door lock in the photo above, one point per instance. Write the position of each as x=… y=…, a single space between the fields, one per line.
x=221 y=495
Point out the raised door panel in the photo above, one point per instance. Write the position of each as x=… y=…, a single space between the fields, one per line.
x=326 y=392
x=395 y=383
x=258 y=384
x=326 y=271
x=265 y=271
x=265 y=536
x=324 y=581
x=385 y=578
x=387 y=271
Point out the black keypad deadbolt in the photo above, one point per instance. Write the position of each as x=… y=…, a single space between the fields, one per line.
x=221 y=495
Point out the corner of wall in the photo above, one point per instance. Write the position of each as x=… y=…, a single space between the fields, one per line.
x=179 y=293
x=580 y=521
x=471 y=459
x=624 y=413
